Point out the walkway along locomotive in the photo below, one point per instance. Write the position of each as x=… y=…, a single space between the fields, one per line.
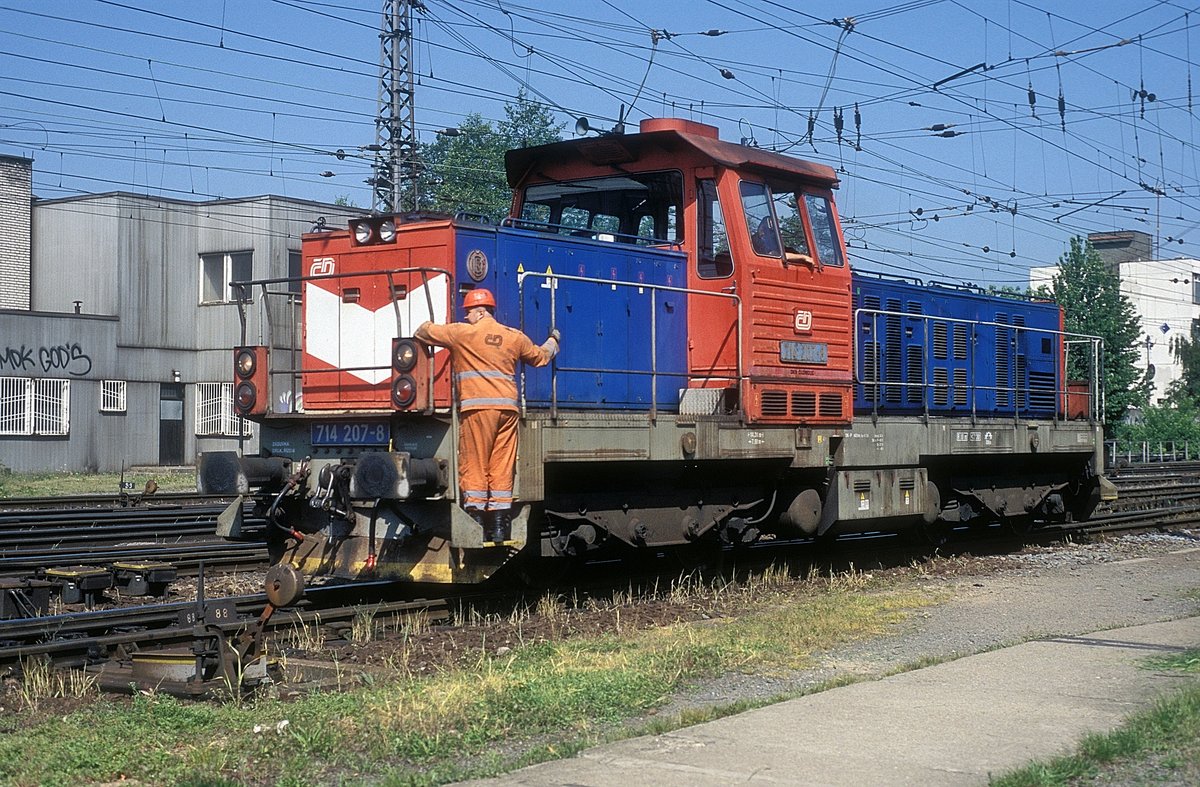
x=724 y=375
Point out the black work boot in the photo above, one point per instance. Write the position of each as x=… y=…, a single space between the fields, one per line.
x=501 y=525
x=477 y=515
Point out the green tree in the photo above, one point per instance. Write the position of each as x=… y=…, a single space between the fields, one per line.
x=1091 y=298
x=1172 y=425
x=464 y=170
x=1187 y=353
x=527 y=124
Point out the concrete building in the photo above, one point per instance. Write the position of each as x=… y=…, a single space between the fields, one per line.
x=1165 y=293
x=118 y=320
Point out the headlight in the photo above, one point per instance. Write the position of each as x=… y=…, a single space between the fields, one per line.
x=362 y=232
x=245 y=397
x=404 y=355
x=245 y=364
x=387 y=231
x=404 y=392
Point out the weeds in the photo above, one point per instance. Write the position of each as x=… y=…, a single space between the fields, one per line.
x=40 y=681
x=362 y=629
x=307 y=636
x=1187 y=661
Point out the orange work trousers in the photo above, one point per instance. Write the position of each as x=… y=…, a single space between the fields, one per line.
x=487 y=458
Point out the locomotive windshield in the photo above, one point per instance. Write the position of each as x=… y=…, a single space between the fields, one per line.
x=640 y=208
x=774 y=220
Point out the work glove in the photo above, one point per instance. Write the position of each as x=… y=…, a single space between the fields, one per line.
x=556 y=335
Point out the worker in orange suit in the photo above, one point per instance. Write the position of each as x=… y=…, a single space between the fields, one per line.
x=483 y=357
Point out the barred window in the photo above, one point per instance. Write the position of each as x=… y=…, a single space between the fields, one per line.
x=31 y=406
x=215 y=416
x=112 y=396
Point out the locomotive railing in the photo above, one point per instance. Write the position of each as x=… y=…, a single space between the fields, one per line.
x=867 y=371
x=653 y=371
x=295 y=371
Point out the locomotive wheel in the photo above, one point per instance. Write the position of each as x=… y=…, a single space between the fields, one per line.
x=285 y=585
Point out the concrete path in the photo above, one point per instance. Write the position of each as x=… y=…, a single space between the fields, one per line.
x=950 y=724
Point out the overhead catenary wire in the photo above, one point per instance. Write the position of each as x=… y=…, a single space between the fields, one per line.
x=763 y=86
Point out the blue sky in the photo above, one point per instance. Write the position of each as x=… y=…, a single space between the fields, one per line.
x=218 y=98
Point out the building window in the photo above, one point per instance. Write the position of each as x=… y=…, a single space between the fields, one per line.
x=34 y=406
x=1195 y=287
x=217 y=270
x=214 y=412
x=112 y=396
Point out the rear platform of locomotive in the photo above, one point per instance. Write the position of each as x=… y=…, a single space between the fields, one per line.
x=724 y=375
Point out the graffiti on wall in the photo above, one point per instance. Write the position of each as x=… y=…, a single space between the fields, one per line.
x=68 y=357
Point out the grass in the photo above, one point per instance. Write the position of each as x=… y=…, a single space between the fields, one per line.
x=52 y=484
x=1159 y=745
x=539 y=700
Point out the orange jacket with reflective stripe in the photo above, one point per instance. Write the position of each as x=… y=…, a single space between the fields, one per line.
x=484 y=359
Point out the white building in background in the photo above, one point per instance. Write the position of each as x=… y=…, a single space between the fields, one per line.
x=1165 y=293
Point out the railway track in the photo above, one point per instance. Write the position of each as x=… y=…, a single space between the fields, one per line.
x=75 y=639
x=1150 y=498
x=38 y=537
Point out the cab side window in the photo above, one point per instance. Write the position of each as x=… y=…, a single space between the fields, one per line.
x=713 y=260
x=760 y=221
x=820 y=215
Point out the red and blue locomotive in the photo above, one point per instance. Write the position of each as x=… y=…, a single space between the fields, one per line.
x=724 y=375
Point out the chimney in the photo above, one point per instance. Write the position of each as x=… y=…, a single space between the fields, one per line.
x=16 y=201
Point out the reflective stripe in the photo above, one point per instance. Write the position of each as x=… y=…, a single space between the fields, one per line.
x=474 y=493
x=495 y=506
x=498 y=494
x=492 y=374
x=465 y=403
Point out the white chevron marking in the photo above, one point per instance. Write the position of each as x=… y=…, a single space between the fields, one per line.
x=348 y=335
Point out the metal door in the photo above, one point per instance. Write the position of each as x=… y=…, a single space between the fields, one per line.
x=170 y=424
